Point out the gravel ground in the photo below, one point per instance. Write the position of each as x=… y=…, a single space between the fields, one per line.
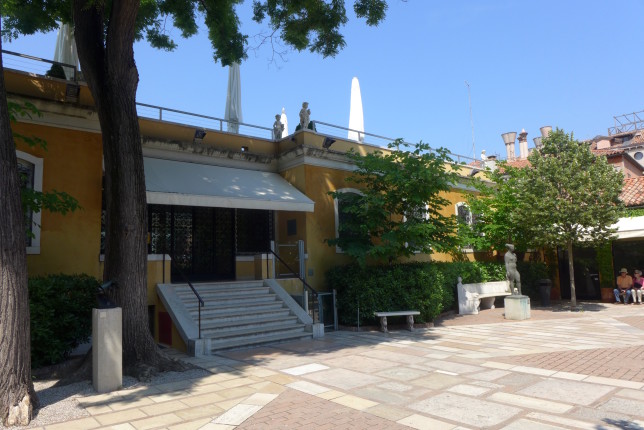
x=60 y=403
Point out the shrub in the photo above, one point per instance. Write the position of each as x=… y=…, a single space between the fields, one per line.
x=61 y=315
x=388 y=288
x=427 y=287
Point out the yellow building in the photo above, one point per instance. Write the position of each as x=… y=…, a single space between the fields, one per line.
x=217 y=201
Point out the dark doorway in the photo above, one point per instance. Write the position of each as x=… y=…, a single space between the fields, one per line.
x=628 y=254
x=586 y=274
x=201 y=240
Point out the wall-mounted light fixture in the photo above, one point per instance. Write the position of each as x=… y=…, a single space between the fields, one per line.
x=244 y=149
x=199 y=135
x=327 y=142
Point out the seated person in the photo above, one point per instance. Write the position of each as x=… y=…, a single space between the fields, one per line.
x=638 y=281
x=624 y=285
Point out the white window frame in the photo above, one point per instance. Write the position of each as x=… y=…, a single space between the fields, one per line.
x=470 y=221
x=426 y=216
x=336 y=212
x=36 y=216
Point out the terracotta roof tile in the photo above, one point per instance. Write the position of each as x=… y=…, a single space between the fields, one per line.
x=519 y=163
x=608 y=151
x=633 y=191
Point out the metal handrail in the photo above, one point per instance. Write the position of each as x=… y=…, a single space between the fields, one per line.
x=161 y=109
x=307 y=287
x=185 y=278
x=31 y=57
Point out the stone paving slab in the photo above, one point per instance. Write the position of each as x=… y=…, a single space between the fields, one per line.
x=295 y=410
x=548 y=372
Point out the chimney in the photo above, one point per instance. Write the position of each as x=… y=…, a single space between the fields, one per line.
x=545 y=130
x=523 y=144
x=490 y=162
x=508 y=139
x=537 y=142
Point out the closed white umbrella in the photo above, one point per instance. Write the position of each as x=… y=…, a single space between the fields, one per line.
x=66 y=49
x=356 y=117
x=284 y=122
x=233 y=99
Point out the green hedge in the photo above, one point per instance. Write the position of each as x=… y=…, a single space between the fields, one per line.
x=427 y=287
x=61 y=315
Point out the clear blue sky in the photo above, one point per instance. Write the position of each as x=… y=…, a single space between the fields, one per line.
x=571 y=64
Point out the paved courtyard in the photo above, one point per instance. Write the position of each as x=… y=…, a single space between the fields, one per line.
x=559 y=370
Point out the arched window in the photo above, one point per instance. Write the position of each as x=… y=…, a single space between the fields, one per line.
x=30 y=171
x=463 y=213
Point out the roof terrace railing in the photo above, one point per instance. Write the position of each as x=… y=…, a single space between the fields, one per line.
x=31 y=64
x=340 y=132
x=202 y=121
x=40 y=66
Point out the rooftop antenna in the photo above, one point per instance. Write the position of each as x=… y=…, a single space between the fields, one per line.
x=469 y=97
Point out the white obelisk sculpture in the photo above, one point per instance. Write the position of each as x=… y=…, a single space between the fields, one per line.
x=284 y=122
x=356 y=117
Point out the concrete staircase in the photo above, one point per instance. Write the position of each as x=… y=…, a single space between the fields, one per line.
x=235 y=314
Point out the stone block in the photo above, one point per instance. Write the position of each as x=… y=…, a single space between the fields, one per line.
x=107 y=349
x=199 y=347
x=517 y=307
x=318 y=330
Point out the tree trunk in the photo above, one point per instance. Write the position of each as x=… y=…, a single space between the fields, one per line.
x=107 y=60
x=571 y=272
x=17 y=396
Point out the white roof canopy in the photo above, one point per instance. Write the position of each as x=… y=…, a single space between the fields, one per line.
x=630 y=228
x=188 y=184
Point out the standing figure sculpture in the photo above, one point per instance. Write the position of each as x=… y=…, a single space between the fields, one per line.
x=278 y=128
x=511 y=271
x=305 y=115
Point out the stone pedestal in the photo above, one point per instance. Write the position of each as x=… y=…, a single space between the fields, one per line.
x=107 y=349
x=517 y=307
x=318 y=330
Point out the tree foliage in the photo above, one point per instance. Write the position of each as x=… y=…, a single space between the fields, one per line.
x=568 y=195
x=494 y=207
x=303 y=24
x=399 y=209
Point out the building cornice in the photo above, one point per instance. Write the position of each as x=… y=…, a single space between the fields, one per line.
x=313 y=156
x=206 y=154
x=59 y=115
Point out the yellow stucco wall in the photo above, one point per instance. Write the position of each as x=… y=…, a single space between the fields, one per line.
x=72 y=162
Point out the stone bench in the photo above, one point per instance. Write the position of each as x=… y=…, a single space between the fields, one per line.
x=383 y=318
x=472 y=297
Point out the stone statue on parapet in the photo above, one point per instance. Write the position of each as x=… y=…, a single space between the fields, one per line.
x=278 y=128
x=511 y=272
x=305 y=115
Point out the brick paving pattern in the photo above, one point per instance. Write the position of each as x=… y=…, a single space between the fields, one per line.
x=619 y=363
x=297 y=410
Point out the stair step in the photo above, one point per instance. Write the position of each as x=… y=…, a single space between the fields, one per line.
x=224 y=292
x=218 y=328
x=260 y=341
x=242 y=316
x=257 y=332
x=228 y=302
x=237 y=309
